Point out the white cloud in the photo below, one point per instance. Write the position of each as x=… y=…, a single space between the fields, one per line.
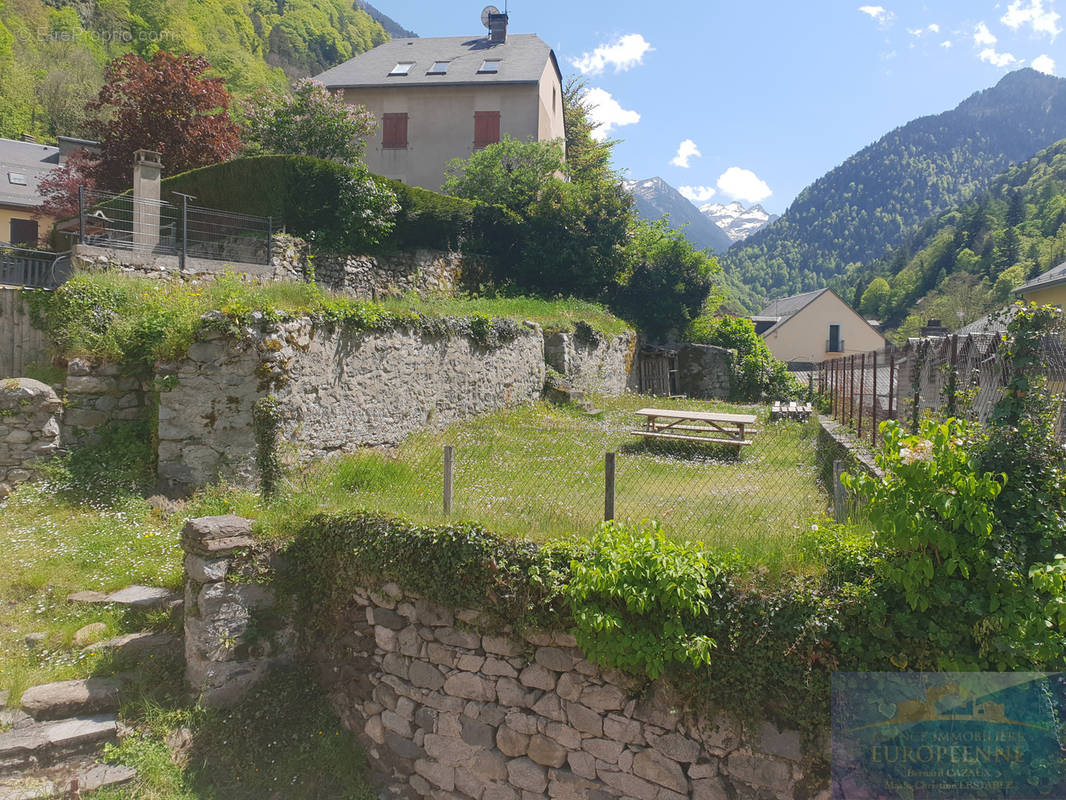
x=946 y=43
x=934 y=28
x=1045 y=64
x=743 y=184
x=879 y=13
x=605 y=110
x=983 y=36
x=686 y=151
x=698 y=194
x=1033 y=13
x=623 y=53
x=998 y=59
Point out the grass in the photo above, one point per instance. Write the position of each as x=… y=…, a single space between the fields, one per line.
x=538 y=472
x=551 y=315
x=138 y=321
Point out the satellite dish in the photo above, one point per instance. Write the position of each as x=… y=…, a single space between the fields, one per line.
x=486 y=13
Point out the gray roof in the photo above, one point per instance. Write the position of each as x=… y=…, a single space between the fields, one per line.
x=789 y=306
x=522 y=58
x=1053 y=276
x=30 y=160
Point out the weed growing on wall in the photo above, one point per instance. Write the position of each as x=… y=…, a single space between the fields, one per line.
x=266 y=422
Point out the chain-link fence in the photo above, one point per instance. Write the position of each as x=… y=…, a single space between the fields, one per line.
x=546 y=471
x=958 y=375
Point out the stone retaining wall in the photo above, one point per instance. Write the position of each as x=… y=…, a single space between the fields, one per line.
x=29 y=429
x=596 y=363
x=450 y=707
x=370 y=277
x=97 y=393
x=337 y=390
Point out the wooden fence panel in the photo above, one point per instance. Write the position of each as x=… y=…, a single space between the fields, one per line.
x=20 y=343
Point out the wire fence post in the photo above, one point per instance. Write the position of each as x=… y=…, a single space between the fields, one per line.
x=449 y=459
x=608 y=487
x=891 y=385
x=851 y=389
x=952 y=388
x=873 y=406
x=270 y=240
x=862 y=388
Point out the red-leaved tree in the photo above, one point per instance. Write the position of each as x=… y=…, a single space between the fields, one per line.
x=59 y=188
x=167 y=105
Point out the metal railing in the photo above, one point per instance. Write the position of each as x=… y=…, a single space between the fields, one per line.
x=181 y=229
x=36 y=269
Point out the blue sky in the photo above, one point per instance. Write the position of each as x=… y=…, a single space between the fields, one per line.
x=755 y=100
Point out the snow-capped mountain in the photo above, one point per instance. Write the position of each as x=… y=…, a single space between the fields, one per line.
x=738 y=222
x=655 y=198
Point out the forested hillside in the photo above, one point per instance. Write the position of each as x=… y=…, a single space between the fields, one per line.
x=52 y=55
x=965 y=262
x=858 y=210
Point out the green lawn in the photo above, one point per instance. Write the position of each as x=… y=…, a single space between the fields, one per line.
x=538 y=472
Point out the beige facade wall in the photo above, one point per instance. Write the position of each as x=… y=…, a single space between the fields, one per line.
x=7 y=213
x=803 y=337
x=440 y=123
x=1047 y=296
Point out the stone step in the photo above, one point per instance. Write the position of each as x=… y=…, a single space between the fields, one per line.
x=48 y=744
x=85 y=775
x=132 y=645
x=71 y=698
x=136 y=596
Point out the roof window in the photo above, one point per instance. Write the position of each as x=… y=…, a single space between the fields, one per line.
x=16 y=178
x=439 y=68
x=489 y=67
x=402 y=68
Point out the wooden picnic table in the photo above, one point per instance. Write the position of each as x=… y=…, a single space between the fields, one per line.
x=710 y=427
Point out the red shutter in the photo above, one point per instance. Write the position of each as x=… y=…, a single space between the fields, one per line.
x=486 y=128
x=394 y=131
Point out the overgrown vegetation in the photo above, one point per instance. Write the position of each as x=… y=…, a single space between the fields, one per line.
x=136 y=322
x=757 y=375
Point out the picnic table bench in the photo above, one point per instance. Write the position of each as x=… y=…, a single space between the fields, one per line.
x=709 y=427
x=791 y=410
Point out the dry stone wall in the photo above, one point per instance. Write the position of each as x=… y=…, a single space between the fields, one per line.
x=449 y=706
x=336 y=389
x=595 y=363
x=97 y=393
x=30 y=412
x=370 y=277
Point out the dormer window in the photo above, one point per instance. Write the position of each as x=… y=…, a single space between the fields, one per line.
x=17 y=178
x=439 y=68
x=403 y=68
x=489 y=67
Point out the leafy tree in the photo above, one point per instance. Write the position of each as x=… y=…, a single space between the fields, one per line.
x=310 y=120
x=874 y=298
x=587 y=158
x=669 y=282
x=167 y=105
x=59 y=188
x=508 y=173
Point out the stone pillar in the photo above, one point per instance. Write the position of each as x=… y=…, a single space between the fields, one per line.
x=147 y=173
x=230 y=638
x=29 y=429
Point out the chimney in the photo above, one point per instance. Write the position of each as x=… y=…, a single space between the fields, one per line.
x=497 y=28
x=147 y=171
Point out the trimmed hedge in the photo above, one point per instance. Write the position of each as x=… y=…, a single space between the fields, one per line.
x=302 y=192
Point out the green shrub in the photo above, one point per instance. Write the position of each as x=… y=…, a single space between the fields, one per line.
x=757 y=375
x=635 y=598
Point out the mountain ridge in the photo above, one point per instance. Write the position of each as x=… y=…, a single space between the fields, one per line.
x=858 y=210
x=655 y=198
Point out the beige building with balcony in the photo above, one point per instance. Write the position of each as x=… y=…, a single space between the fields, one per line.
x=815 y=326
x=436 y=99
